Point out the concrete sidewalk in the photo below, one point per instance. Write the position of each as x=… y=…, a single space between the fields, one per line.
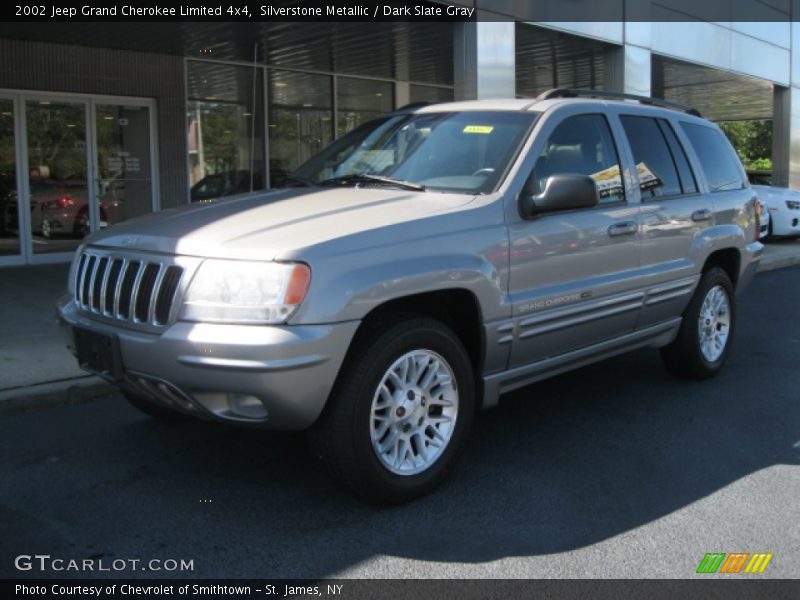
x=35 y=366
x=36 y=369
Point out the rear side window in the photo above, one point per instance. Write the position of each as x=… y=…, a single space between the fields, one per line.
x=655 y=166
x=717 y=158
x=583 y=145
x=688 y=182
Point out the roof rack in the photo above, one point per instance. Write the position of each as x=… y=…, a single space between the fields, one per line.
x=585 y=93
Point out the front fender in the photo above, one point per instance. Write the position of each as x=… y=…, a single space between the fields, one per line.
x=349 y=287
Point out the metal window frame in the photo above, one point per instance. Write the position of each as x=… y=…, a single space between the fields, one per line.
x=266 y=79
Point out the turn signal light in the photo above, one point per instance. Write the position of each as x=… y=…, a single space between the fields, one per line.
x=757 y=206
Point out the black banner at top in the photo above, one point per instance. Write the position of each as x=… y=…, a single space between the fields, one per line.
x=238 y=10
x=401 y=10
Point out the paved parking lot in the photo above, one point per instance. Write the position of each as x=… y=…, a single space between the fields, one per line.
x=616 y=470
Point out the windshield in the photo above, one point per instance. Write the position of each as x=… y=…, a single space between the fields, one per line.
x=464 y=152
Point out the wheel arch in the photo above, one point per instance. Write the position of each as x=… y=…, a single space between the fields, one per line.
x=728 y=259
x=458 y=308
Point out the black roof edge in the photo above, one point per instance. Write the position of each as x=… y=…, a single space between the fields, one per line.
x=602 y=94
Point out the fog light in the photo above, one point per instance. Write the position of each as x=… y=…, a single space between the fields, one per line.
x=243 y=405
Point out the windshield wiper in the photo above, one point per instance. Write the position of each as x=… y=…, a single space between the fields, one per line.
x=379 y=179
x=293 y=179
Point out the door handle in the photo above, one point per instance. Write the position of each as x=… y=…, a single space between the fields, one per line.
x=623 y=228
x=701 y=215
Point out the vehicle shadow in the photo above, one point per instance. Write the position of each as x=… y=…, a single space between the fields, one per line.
x=557 y=466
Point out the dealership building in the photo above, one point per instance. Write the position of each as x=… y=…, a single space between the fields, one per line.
x=104 y=121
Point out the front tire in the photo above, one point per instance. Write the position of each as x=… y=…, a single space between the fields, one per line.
x=400 y=412
x=706 y=334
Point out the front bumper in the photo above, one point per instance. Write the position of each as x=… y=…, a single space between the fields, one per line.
x=276 y=377
x=785 y=222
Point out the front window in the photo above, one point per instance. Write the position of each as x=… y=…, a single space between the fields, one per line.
x=582 y=145
x=464 y=152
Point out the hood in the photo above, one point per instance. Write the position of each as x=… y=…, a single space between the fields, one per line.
x=267 y=225
x=770 y=193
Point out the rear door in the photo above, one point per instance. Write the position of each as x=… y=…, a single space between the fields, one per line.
x=677 y=204
x=674 y=213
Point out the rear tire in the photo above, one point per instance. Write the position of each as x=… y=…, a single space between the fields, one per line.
x=400 y=411
x=706 y=334
x=151 y=409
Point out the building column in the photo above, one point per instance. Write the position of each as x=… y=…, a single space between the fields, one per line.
x=637 y=70
x=484 y=60
x=402 y=93
x=786 y=137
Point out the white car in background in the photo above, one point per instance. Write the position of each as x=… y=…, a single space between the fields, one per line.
x=783 y=205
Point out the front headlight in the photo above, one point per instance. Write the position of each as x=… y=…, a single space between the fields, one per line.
x=231 y=291
x=793 y=204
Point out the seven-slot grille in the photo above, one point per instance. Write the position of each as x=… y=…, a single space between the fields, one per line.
x=136 y=290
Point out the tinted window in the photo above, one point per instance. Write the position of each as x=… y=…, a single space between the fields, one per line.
x=582 y=144
x=679 y=155
x=717 y=158
x=658 y=175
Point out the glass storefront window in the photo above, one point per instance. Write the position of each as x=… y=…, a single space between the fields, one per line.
x=225 y=125
x=359 y=100
x=428 y=93
x=59 y=192
x=9 y=226
x=300 y=119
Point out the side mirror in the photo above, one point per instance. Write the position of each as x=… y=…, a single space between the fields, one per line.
x=561 y=192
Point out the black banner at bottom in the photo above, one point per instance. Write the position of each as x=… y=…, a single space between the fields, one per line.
x=401 y=589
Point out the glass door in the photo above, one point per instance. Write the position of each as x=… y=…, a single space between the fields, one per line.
x=124 y=166
x=71 y=165
x=59 y=196
x=9 y=213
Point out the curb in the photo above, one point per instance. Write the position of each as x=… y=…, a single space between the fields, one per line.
x=778 y=262
x=55 y=393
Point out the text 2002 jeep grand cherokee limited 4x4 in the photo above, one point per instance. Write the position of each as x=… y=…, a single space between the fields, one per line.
x=419 y=267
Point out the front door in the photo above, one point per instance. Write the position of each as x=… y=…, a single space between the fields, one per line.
x=573 y=273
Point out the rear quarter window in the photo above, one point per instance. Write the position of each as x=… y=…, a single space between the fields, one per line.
x=717 y=158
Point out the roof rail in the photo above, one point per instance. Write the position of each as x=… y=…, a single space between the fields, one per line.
x=585 y=93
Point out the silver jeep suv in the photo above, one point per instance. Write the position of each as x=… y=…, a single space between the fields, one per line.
x=421 y=266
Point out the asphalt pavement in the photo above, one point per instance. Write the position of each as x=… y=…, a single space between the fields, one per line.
x=614 y=470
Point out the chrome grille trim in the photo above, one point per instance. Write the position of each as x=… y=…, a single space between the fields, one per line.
x=101 y=290
x=123 y=269
x=151 y=305
x=101 y=304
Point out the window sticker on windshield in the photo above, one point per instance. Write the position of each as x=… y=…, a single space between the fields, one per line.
x=485 y=129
